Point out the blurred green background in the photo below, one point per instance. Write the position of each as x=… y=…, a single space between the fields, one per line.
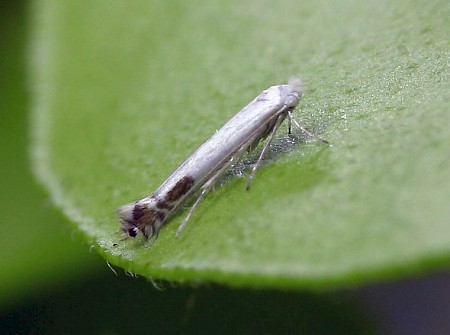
x=51 y=283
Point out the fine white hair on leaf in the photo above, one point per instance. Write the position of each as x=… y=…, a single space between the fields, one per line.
x=111 y=268
x=296 y=84
x=157 y=286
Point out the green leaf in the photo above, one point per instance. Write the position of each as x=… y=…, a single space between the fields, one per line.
x=123 y=93
x=37 y=251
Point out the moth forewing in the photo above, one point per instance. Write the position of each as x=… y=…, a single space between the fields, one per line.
x=258 y=120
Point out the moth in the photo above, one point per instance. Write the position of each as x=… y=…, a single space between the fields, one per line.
x=257 y=121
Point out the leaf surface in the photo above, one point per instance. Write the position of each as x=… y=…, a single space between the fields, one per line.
x=124 y=93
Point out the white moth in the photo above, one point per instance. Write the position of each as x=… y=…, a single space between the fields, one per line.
x=258 y=120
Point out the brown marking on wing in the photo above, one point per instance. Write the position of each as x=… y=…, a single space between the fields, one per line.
x=163 y=205
x=144 y=216
x=181 y=188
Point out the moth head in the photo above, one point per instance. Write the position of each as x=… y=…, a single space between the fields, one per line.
x=126 y=216
x=132 y=232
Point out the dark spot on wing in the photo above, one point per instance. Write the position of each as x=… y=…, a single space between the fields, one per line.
x=139 y=212
x=144 y=216
x=163 y=205
x=181 y=188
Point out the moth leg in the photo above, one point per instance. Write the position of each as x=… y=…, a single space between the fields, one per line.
x=191 y=211
x=303 y=129
x=152 y=240
x=264 y=149
x=206 y=188
x=289 y=126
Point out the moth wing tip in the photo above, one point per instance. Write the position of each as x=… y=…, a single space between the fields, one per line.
x=296 y=84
